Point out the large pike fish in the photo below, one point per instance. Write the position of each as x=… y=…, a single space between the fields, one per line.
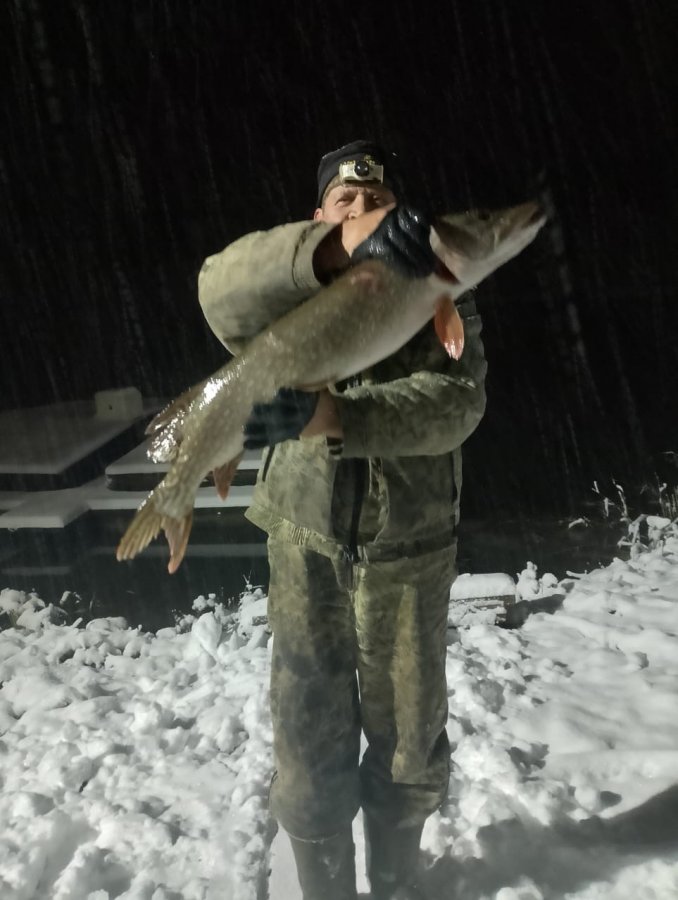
x=361 y=318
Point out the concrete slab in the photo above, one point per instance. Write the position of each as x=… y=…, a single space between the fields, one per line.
x=47 y=440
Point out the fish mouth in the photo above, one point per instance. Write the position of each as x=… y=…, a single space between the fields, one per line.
x=528 y=214
x=537 y=214
x=522 y=222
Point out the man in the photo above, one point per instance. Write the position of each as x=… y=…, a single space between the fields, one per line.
x=361 y=514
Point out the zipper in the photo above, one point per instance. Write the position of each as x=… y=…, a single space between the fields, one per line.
x=360 y=477
x=360 y=480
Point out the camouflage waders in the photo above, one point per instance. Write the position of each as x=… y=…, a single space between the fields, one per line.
x=391 y=491
x=357 y=646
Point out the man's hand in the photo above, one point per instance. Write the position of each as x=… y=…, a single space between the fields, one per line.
x=283 y=419
x=402 y=240
x=355 y=231
x=325 y=419
x=333 y=254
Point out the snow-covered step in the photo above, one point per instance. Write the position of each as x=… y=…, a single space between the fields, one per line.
x=10 y=499
x=46 y=509
x=47 y=440
x=480 y=597
x=489 y=586
x=57 y=509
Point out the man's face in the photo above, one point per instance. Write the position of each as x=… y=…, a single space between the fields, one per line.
x=348 y=201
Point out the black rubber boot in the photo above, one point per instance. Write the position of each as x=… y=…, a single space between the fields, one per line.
x=392 y=856
x=326 y=869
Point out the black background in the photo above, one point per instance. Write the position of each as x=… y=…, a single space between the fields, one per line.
x=139 y=137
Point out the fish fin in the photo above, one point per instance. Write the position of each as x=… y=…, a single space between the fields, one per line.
x=143 y=528
x=449 y=326
x=175 y=408
x=177 y=532
x=223 y=476
x=163 y=446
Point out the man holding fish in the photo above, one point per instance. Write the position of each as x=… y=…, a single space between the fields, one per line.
x=359 y=494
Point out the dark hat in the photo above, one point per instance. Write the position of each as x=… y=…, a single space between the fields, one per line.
x=356 y=162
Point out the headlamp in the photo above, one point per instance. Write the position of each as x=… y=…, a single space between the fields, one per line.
x=365 y=169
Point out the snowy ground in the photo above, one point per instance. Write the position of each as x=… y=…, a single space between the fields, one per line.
x=136 y=765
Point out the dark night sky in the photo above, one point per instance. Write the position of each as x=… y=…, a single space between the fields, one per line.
x=140 y=137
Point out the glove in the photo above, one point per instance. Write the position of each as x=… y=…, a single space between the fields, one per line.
x=283 y=419
x=402 y=241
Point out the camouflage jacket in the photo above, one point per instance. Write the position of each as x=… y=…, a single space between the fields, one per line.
x=392 y=488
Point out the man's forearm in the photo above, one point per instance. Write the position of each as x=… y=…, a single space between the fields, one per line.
x=259 y=278
x=423 y=415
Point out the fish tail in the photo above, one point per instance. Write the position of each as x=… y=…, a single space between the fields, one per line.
x=223 y=476
x=177 y=532
x=146 y=525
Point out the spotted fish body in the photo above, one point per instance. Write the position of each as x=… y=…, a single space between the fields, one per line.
x=361 y=318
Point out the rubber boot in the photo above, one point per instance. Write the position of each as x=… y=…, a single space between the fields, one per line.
x=326 y=869
x=392 y=856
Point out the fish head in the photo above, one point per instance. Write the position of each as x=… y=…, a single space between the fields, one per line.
x=474 y=243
